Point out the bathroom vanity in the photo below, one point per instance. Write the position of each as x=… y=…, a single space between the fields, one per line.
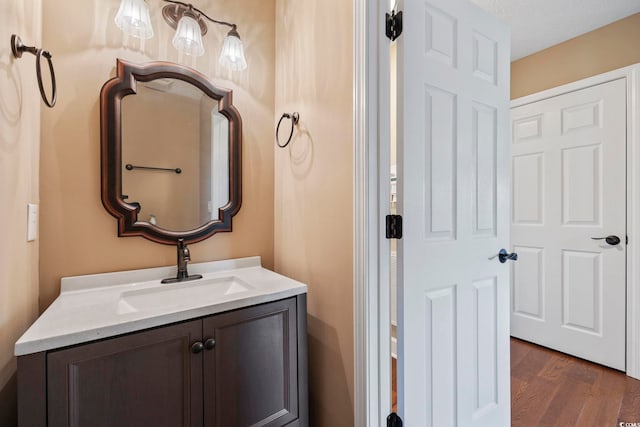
x=123 y=349
x=223 y=346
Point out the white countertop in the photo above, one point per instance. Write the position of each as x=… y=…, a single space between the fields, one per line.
x=104 y=305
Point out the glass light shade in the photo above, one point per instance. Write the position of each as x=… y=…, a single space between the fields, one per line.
x=133 y=19
x=188 y=38
x=232 y=55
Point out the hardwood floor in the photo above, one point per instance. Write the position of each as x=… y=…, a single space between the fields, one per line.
x=394 y=385
x=551 y=389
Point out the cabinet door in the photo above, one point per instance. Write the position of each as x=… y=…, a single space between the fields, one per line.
x=148 y=378
x=250 y=376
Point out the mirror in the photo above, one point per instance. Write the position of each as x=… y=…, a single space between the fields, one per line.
x=174 y=154
x=170 y=153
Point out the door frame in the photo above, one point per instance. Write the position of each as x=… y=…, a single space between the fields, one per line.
x=372 y=317
x=631 y=75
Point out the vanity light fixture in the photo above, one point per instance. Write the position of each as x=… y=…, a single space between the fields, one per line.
x=190 y=25
x=188 y=37
x=232 y=55
x=133 y=19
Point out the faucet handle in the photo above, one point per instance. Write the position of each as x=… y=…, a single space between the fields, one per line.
x=184 y=250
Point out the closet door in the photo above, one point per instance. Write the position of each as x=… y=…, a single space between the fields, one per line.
x=569 y=188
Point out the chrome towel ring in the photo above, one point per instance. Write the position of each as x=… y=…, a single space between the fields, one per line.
x=295 y=118
x=18 y=48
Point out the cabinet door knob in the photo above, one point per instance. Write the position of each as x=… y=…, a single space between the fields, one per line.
x=197 y=347
x=209 y=344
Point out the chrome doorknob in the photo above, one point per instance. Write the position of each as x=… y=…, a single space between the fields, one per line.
x=503 y=256
x=611 y=240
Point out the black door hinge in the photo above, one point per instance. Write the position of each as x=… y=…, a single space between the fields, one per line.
x=394 y=227
x=394 y=420
x=394 y=24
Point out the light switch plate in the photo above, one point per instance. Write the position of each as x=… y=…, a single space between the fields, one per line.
x=32 y=222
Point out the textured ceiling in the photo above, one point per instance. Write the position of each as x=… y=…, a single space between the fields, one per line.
x=539 y=24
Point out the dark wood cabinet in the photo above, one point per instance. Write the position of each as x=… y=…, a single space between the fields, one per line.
x=251 y=377
x=146 y=378
x=245 y=367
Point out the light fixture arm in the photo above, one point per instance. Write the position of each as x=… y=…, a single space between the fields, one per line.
x=201 y=13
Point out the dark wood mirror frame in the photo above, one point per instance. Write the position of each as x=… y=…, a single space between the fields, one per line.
x=124 y=84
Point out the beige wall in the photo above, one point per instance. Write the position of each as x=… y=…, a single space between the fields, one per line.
x=19 y=156
x=608 y=48
x=78 y=235
x=313 y=190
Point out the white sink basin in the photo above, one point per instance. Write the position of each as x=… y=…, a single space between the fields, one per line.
x=177 y=295
x=99 y=306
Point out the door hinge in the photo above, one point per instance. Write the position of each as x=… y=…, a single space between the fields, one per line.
x=626 y=240
x=394 y=227
x=394 y=24
x=394 y=420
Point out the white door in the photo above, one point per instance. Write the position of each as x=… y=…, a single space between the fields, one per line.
x=453 y=164
x=569 y=186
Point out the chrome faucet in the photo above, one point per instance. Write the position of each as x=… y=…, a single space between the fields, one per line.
x=184 y=256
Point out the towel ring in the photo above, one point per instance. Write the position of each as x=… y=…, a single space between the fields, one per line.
x=295 y=118
x=18 y=48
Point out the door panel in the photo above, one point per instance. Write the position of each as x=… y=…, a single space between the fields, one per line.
x=581 y=290
x=440 y=156
x=485 y=348
x=453 y=163
x=528 y=186
x=527 y=128
x=440 y=334
x=581 y=185
x=484 y=157
x=581 y=116
x=569 y=290
x=528 y=288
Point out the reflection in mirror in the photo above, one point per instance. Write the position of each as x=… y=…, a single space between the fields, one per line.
x=169 y=126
